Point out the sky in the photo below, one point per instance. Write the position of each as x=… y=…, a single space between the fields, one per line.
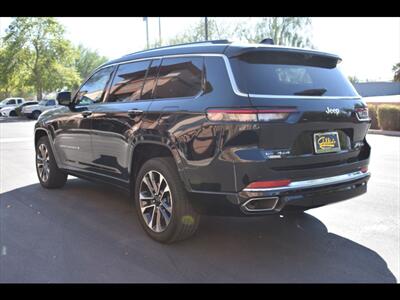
x=369 y=46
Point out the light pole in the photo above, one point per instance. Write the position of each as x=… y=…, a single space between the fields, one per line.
x=206 y=27
x=159 y=29
x=147 y=30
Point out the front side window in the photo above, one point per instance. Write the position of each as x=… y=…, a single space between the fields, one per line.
x=128 y=82
x=11 y=101
x=179 y=77
x=93 y=89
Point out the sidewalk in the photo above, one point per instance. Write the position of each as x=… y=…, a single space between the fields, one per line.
x=384 y=132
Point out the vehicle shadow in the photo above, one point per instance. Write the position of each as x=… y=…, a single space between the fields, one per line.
x=87 y=232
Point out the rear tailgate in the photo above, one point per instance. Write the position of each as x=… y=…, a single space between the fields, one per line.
x=322 y=99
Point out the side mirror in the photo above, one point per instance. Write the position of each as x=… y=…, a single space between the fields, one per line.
x=64 y=98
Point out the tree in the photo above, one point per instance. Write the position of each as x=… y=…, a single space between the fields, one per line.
x=287 y=31
x=196 y=32
x=396 y=70
x=354 y=79
x=86 y=61
x=37 y=48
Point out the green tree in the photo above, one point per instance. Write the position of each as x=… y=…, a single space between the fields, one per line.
x=86 y=61
x=287 y=31
x=353 y=79
x=196 y=32
x=37 y=48
x=396 y=70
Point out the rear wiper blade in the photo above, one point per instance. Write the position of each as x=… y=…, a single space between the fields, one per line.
x=312 y=92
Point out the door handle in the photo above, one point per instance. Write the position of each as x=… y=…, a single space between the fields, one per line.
x=86 y=113
x=135 y=112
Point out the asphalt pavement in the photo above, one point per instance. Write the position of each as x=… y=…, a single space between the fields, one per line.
x=88 y=232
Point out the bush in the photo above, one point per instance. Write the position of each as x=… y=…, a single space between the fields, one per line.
x=374 y=117
x=389 y=117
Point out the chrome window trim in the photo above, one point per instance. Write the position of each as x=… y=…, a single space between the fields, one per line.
x=312 y=183
x=231 y=77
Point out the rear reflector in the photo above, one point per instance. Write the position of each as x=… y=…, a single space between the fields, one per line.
x=248 y=115
x=268 y=184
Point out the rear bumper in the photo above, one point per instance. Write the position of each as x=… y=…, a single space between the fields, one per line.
x=301 y=195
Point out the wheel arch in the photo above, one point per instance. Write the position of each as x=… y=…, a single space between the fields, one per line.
x=39 y=133
x=146 y=150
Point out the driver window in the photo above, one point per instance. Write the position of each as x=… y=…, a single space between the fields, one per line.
x=92 y=91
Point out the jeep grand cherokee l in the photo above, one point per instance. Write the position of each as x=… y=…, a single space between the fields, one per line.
x=211 y=128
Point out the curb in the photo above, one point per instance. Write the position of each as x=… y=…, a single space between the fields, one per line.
x=384 y=132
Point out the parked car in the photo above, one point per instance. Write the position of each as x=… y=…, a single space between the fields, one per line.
x=14 y=111
x=211 y=128
x=34 y=111
x=11 y=102
x=18 y=109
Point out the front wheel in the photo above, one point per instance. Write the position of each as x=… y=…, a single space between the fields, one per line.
x=161 y=202
x=50 y=176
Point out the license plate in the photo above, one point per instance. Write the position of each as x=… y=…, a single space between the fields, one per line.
x=325 y=142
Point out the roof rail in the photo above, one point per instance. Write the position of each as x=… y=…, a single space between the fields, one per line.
x=183 y=44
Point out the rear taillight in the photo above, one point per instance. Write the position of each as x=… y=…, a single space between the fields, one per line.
x=248 y=115
x=268 y=184
x=364 y=169
x=362 y=113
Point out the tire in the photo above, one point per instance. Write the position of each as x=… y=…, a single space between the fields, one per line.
x=183 y=220
x=36 y=114
x=55 y=177
x=13 y=113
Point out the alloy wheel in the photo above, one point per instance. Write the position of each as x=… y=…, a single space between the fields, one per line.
x=43 y=162
x=155 y=200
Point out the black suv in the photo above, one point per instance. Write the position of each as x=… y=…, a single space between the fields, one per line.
x=211 y=128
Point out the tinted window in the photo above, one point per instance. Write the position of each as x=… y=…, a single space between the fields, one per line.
x=150 y=79
x=179 y=77
x=92 y=91
x=11 y=102
x=128 y=82
x=282 y=73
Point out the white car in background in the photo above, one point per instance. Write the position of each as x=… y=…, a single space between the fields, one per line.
x=11 y=102
x=34 y=111
x=14 y=111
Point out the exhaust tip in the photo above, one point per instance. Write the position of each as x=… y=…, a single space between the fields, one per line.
x=260 y=204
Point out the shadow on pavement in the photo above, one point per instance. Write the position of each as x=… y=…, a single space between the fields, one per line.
x=87 y=232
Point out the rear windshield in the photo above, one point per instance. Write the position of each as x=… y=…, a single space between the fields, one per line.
x=282 y=73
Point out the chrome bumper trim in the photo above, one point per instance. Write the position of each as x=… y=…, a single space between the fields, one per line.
x=312 y=183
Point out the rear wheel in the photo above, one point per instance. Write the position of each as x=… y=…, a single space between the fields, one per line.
x=36 y=114
x=13 y=113
x=161 y=202
x=50 y=176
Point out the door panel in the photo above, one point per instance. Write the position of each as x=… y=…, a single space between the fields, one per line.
x=73 y=128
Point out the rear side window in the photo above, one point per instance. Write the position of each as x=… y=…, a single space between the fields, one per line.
x=151 y=78
x=179 y=77
x=128 y=82
x=282 y=73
